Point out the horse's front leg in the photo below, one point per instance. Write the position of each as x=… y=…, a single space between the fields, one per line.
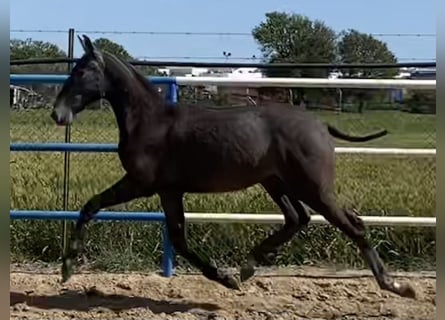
x=122 y=191
x=175 y=220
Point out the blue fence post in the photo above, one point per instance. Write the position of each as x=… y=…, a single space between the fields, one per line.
x=168 y=256
x=173 y=92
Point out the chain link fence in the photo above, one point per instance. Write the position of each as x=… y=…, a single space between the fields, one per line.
x=373 y=185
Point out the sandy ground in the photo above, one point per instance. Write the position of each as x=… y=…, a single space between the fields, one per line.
x=313 y=294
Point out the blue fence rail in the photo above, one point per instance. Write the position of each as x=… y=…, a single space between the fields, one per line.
x=26 y=79
x=63 y=147
x=157 y=217
x=168 y=251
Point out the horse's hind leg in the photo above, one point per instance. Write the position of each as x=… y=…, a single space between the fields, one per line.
x=351 y=225
x=174 y=214
x=295 y=216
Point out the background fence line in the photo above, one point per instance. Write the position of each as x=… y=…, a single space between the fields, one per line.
x=257 y=82
x=111 y=147
x=219 y=217
x=228 y=64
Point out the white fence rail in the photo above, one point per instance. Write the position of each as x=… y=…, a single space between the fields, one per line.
x=310 y=83
x=386 y=151
x=207 y=217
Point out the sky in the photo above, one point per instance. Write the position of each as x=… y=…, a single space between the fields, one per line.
x=236 y=16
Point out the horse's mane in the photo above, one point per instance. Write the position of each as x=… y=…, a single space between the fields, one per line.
x=127 y=67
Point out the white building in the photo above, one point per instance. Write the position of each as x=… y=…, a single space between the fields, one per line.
x=245 y=73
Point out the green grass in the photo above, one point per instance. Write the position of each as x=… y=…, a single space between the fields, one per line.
x=374 y=185
x=406 y=130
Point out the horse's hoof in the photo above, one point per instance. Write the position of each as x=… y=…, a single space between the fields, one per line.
x=268 y=258
x=407 y=291
x=230 y=282
x=246 y=272
x=67 y=269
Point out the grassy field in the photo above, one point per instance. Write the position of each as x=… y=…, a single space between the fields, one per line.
x=406 y=130
x=374 y=185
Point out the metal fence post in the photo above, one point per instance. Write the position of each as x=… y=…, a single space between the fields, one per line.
x=168 y=255
x=66 y=169
x=173 y=92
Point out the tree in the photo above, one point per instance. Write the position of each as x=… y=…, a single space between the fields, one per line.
x=31 y=49
x=295 y=38
x=28 y=49
x=356 y=47
x=113 y=48
x=119 y=51
x=420 y=101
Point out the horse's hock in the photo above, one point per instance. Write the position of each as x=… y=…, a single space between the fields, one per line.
x=151 y=296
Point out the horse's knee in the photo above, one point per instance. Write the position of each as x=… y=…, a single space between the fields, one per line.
x=92 y=204
x=89 y=209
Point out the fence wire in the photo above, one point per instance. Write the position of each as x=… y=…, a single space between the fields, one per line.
x=373 y=185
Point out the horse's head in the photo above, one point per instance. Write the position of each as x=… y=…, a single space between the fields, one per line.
x=85 y=84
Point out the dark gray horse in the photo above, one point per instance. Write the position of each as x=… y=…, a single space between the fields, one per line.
x=171 y=151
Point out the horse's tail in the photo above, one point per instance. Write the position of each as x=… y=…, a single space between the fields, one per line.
x=340 y=135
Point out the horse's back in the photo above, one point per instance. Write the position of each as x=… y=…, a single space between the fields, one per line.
x=252 y=131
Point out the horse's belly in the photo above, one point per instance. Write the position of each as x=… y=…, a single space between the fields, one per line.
x=225 y=181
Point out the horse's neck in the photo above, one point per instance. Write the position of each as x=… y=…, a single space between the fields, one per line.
x=132 y=103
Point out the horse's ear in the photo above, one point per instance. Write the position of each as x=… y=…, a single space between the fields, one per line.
x=88 y=45
x=82 y=43
x=90 y=48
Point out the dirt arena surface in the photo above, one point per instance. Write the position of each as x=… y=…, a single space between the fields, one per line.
x=307 y=294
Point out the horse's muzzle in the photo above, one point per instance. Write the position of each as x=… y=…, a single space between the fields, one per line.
x=62 y=118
